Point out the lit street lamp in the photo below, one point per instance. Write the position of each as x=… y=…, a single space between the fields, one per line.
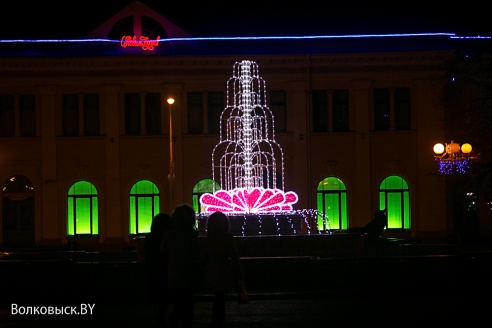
x=170 y=175
x=452 y=156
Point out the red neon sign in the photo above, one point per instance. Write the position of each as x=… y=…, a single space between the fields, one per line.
x=143 y=42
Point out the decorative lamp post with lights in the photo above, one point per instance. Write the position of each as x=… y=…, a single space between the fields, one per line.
x=452 y=157
x=170 y=175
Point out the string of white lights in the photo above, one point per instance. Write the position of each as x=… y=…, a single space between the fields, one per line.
x=247 y=162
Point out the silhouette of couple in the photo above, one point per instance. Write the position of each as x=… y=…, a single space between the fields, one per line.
x=177 y=265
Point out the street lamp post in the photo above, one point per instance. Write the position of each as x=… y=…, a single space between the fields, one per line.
x=170 y=175
x=453 y=158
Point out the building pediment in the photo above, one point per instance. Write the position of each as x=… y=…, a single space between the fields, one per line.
x=134 y=18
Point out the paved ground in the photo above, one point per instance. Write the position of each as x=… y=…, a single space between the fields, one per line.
x=428 y=290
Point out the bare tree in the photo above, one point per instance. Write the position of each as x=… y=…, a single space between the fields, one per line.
x=468 y=99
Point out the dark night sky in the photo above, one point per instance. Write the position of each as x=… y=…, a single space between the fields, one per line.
x=69 y=19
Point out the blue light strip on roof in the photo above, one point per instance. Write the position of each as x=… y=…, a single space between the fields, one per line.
x=451 y=35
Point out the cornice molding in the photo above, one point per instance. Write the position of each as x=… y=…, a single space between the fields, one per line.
x=150 y=64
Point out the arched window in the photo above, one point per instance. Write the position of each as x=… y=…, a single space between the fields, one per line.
x=17 y=211
x=394 y=196
x=201 y=187
x=82 y=209
x=144 y=205
x=331 y=199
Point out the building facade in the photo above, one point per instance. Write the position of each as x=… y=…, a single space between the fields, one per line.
x=85 y=135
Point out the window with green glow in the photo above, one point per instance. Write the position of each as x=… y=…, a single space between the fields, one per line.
x=331 y=199
x=394 y=196
x=144 y=205
x=82 y=214
x=201 y=187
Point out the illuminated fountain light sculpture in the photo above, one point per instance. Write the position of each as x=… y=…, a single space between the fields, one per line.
x=247 y=161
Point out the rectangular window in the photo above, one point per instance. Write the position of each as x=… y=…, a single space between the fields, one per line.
x=7 y=116
x=27 y=109
x=132 y=114
x=70 y=114
x=402 y=109
x=153 y=113
x=381 y=109
x=91 y=114
x=319 y=99
x=341 y=110
x=278 y=108
x=195 y=112
x=215 y=108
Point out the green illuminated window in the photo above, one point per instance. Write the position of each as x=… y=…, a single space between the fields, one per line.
x=144 y=205
x=201 y=187
x=331 y=199
x=82 y=213
x=394 y=196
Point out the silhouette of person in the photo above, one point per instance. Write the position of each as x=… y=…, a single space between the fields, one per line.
x=156 y=266
x=180 y=245
x=222 y=270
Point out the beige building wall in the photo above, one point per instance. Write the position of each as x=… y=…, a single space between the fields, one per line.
x=113 y=162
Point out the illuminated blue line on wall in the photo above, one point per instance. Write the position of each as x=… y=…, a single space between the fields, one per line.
x=451 y=35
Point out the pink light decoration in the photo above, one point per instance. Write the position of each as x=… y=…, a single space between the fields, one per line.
x=143 y=42
x=247 y=160
x=241 y=200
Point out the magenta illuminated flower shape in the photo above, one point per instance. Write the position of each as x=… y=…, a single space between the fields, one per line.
x=256 y=200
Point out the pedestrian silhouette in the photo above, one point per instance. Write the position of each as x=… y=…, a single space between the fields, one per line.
x=156 y=266
x=180 y=246
x=222 y=270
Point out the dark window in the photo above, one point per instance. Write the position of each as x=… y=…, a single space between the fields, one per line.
x=153 y=113
x=70 y=114
x=132 y=114
x=215 y=108
x=91 y=114
x=195 y=112
x=152 y=29
x=381 y=109
x=124 y=27
x=7 y=116
x=27 y=108
x=341 y=110
x=278 y=108
x=402 y=109
x=320 y=110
